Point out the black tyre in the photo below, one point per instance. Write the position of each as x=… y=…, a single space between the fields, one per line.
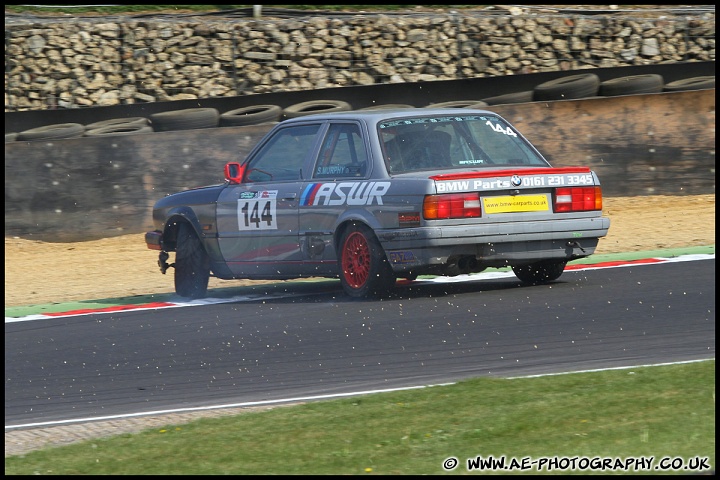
x=316 y=106
x=479 y=105
x=187 y=119
x=458 y=104
x=564 y=88
x=50 y=132
x=253 y=115
x=632 y=85
x=694 y=83
x=540 y=272
x=141 y=121
x=364 y=268
x=388 y=105
x=192 y=264
x=118 y=129
x=515 y=97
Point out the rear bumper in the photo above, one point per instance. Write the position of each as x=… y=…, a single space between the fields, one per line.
x=435 y=260
x=494 y=233
x=493 y=245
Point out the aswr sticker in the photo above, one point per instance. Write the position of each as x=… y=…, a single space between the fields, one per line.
x=344 y=193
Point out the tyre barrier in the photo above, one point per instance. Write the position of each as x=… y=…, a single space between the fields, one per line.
x=570 y=87
x=458 y=104
x=632 y=85
x=118 y=129
x=316 y=106
x=186 y=119
x=252 y=115
x=118 y=121
x=515 y=97
x=693 y=83
x=566 y=88
x=52 y=132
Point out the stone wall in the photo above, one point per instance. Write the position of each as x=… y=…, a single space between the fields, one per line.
x=87 y=62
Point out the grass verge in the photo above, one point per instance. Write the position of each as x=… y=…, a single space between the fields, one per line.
x=658 y=412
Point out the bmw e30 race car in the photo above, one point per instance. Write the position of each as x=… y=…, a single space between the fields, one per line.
x=375 y=195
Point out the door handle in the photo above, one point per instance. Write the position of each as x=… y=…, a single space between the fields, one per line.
x=290 y=196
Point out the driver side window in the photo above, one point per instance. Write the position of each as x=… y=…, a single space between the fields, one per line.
x=282 y=157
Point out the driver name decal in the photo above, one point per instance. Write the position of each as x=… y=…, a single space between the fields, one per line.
x=344 y=193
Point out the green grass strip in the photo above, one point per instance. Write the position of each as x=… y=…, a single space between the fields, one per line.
x=662 y=411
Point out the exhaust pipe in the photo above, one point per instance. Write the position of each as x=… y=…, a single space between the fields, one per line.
x=467 y=264
x=460 y=266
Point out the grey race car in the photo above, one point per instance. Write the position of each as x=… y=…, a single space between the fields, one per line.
x=375 y=195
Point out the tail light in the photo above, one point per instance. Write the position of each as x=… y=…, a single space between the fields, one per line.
x=451 y=205
x=578 y=199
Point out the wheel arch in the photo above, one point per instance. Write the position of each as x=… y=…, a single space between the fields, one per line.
x=360 y=217
x=172 y=224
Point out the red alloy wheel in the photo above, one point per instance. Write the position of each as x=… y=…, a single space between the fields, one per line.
x=356 y=260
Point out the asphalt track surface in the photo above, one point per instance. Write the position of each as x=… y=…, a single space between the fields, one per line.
x=307 y=340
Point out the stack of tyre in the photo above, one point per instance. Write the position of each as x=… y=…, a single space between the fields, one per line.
x=588 y=85
x=118 y=126
x=584 y=85
x=50 y=132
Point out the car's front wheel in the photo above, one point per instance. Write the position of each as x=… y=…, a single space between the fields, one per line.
x=192 y=264
x=540 y=272
x=364 y=269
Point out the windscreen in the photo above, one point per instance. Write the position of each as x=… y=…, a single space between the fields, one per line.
x=454 y=142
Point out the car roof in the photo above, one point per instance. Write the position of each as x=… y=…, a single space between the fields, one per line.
x=376 y=115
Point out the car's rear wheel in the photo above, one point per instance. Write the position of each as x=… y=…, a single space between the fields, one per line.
x=540 y=272
x=192 y=264
x=364 y=269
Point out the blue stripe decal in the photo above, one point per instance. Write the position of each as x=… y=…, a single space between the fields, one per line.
x=308 y=190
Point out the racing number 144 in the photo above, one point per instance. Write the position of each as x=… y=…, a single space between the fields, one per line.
x=256 y=214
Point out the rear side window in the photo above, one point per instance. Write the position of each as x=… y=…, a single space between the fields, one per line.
x=343 y=153
x=283 y=156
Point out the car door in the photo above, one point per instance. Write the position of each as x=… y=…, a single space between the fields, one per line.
x=257 y=220
x=338 y=183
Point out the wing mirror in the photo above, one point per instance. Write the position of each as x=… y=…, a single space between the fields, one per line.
x=234 y=172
